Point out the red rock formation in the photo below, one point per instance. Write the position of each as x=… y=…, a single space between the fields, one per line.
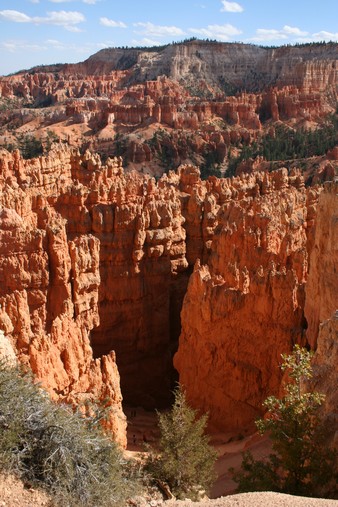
x=321 y=289
x=126 y=102
x=244 y=308
x=49 y=288
x=94 y=265
x=321 y=304
x=68 y=222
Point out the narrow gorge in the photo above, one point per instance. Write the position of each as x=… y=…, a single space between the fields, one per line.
x=95 y=264
x=119 y=276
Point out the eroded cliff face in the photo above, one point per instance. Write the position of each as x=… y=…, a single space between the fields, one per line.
x=95 y=263
x=49 y=287
x=321 y=303
x=321 y=289
x=244 y=307
x=237 y=64
x=93 y=273
x=196 y=101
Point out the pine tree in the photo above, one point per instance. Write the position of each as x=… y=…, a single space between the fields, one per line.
x=301 y=463
x=185 y=460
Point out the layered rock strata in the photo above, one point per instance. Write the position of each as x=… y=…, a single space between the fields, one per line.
x=222 y=94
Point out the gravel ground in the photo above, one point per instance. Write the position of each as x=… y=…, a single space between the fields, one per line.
x=14 y=494
x=257 y=500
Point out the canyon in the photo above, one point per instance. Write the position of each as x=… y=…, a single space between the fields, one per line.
x=121 y=275
x=182 y=103
x=95 y=263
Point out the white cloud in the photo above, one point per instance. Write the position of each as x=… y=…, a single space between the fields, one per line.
x=54 y=44
x=74 y=29
x=112 y=24
x=149 y=29
x=219 y=32
x=263 y=34
x=13 y=46
x=292 y=34
x=324 y=35
x=294 y=31
x=231 y=7
x=271 y=34
x=144 y=42
x=15 y=16
x=61 y=18
x=66 y=19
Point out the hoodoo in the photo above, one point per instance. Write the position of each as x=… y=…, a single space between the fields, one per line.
x=125 y=263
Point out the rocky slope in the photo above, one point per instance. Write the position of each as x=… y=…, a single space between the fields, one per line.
x=193 y=101
x=239 y=65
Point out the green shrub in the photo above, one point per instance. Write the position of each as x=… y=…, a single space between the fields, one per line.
x=29 y=146
x=52 y=447
x=301 y=464
x=185 y=460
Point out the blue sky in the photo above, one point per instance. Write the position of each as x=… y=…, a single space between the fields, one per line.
x=34 y=32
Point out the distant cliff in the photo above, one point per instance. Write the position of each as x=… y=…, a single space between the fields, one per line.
x=242 y=66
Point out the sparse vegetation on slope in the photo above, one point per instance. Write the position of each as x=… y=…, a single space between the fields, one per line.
x=52 y=447
x=287 y=144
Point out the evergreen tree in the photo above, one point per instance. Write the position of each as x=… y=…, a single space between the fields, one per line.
x=301 y=463
x=185 y=460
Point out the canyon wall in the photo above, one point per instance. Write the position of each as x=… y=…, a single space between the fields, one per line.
x=240 y=65
x=49 y=287
x=95 y=263
x=321 y=303
x=93 y=272
x=244 y=307
x=321 y=289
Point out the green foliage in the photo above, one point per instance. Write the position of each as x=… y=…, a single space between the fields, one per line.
x=185 y=460
x=301 y=463
x=210 y=166
x=29 y=146
x=54 y=448
x=51 y=138
x=120 y=145
x=162 y=144
x=288 y=144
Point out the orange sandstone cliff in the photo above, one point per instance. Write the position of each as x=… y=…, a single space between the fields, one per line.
x=321 y=303
x=95 y=263
x=244 y=307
